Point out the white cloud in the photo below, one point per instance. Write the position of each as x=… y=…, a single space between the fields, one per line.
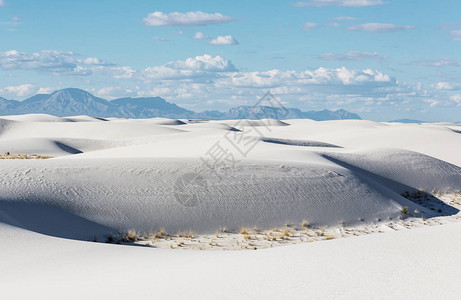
x=321 y=76
x=113 y=92
x=440 y=62
x=443 y=85
x=57 y=62
x=160 y=39
x=455 y=35
x=20 y=91
x=456 y=99
x=46 y=90
x=214 y=79
x=450 y=26
x=353 y=3
x=224 y=40
x=94 y=61
x=196 y=18
x=379 y=27
x=3 y=3
x=200 y=36
x=351 y=55
x=310 y=26
x=199 y=66
x=123 y=72
x=204 y=62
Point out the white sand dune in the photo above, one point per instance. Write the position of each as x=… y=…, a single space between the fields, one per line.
x=36 y=118
x=124 y=174
x=120 y=174
x=84 y=119
x=84 y=130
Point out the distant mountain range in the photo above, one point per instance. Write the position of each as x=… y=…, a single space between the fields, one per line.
x=409 y=121
x=71 y=102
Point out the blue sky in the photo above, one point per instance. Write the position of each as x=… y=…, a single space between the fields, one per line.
x=383 y=59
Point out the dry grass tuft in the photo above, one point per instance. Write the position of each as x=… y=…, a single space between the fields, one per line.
x=159 y=234
x=130 y=237
x=243 y=230
x=187 y=235
x=7 y=155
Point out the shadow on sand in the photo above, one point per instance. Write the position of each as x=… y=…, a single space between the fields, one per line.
x=50 y=220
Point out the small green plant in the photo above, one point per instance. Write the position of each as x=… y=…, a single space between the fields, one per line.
x=405 y=210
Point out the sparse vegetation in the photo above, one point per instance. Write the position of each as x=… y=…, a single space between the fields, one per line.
x=130 y=237
x=188 y=235
x=243 y=230
x=7 y=155
x=253 y=238
x=159 y=234
x=286 y=234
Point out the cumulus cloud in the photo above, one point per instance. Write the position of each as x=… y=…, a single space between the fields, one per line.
x=456 y=99
x=22 y=91
x=205 y=77
x=321 y=76
x=199 y=66
x=46 y=90
x=2 y=3
x=214 y=79
x=200 y=36
x=379 y=27
x=113 y=92
x=196 y=18
x=204 y=62
x=58 y=62
x=351 y=55
x=310 y=26
x=224 y=40
x=94 y=61
x=443 y=85
x=352 y=3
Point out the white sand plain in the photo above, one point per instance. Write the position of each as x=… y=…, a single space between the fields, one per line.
x=335 y=177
